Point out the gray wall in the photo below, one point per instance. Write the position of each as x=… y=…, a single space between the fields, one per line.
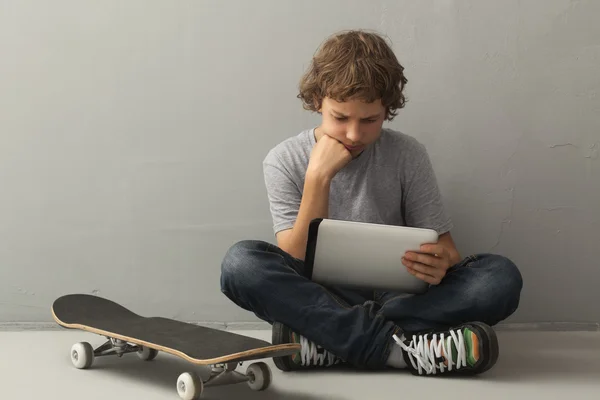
x=132 y=135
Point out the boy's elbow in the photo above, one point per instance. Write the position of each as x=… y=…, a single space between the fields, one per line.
x=286 y=243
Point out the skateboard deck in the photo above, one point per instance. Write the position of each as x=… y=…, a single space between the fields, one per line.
x=129 y=332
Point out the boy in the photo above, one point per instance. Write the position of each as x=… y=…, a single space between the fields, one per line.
x=351 y=168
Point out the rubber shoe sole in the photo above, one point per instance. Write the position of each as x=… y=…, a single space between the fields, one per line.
x=280 y=335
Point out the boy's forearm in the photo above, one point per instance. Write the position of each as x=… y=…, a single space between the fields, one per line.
x=314 y=204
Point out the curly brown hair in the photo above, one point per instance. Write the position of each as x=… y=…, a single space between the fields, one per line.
x=354 y=64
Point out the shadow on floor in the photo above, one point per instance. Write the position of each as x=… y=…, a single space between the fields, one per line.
x=165 y=369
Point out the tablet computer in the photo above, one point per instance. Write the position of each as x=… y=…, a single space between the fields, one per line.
x=364 y=255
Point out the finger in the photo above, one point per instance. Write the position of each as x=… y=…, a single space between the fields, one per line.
x=424 y=277
x=422 y=268
x=426 y=259
x=435 y=249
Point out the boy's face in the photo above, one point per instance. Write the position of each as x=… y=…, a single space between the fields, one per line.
x=353 y=123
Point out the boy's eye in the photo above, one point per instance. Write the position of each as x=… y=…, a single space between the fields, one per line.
x=368 y=121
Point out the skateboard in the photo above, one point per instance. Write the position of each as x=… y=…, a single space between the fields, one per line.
x=128 y=332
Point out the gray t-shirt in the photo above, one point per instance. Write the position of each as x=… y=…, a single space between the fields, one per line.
x=392 y=182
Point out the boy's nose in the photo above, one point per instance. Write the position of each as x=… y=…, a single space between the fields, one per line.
x=353 y=135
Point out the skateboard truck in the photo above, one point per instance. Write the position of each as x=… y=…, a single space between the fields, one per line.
x=190 y=386
x=119 y=347
x=224 y=374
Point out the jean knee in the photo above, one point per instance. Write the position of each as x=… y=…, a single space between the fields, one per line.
x=507 y=275
x=502 y=283
x=238 y=266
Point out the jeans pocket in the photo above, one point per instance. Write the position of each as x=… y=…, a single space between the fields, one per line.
x=471 y=259
x=464 y=263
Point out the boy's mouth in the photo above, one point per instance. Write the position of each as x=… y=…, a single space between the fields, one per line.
x=353 y=148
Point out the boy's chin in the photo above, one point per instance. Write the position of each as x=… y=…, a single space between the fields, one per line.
x=356 y=154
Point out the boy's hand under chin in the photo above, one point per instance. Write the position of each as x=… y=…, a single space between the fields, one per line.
x=430 y=264
x=328 y=157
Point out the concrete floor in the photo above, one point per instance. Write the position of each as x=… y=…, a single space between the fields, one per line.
x=531 y=366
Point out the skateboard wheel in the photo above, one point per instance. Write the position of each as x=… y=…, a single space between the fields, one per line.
x=82 y=355
x=146 y=353
x=189 y=386
x=260 y=376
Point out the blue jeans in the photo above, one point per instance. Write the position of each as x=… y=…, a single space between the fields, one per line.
x=358 y=325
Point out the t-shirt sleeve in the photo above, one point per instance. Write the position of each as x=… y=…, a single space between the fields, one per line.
x=283 y=194
x=422 y=200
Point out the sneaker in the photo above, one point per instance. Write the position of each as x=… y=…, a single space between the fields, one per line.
x=468 y=349
x=311 y=355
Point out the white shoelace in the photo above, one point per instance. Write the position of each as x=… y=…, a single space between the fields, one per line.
x=428 y=355
x=311 y=356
